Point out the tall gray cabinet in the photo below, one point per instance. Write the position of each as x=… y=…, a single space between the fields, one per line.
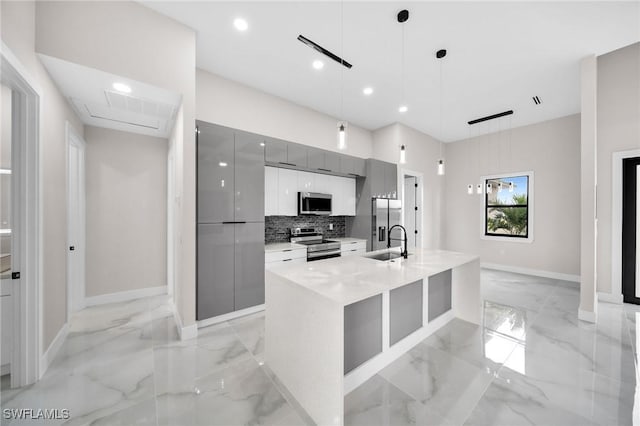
x=230 y=228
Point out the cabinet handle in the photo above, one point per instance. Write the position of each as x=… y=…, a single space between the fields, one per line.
x=287 y=250
x=286 y=164
x=231 y=222
x=286 y=260
x=324 y=170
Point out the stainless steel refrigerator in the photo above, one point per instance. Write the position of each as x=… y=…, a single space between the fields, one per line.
x=386 y=213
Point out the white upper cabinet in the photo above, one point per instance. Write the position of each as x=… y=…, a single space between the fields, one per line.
x=324 y=184
x=281 y=187
x=270 y=191
x=306 y=182
x=344 y=196
x=287 y=192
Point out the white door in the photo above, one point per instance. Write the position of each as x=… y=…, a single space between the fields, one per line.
x=75 y=222
x=7 y=233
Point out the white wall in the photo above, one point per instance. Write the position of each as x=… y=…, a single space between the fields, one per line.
x=128 y=39
x=618 y=124
x=232 y=104
x=552 y=151
x=5 y=163
x=423 y=152
x=18 y=33
x=126 y=211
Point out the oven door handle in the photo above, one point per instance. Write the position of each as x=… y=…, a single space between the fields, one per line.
x=315 y=254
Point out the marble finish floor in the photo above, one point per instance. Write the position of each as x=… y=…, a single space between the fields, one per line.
x=530 y=362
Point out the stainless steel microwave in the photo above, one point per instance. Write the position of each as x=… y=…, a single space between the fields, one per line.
x=314 y=203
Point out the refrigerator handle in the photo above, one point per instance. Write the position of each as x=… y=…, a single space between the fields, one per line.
x=382 y=232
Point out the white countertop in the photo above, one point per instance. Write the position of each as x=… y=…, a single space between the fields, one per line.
x=283 y=246
x=347 y=280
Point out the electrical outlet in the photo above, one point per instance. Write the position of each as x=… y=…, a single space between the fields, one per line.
x=331 y=227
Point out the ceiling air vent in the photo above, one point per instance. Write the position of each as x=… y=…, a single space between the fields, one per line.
x=536 y=100
x=140 y=105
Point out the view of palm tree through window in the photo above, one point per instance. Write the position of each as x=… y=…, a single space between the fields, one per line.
x=506 y=203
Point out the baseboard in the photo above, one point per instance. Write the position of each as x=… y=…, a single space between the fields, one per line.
x=610 y=298
x=52 y=350
x=534 y=272
x=124 y=296
x=587 y=316
x=230 y=316
x=185 y=333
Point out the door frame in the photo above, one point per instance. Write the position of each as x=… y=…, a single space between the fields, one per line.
x=27 y=110
x=419 y=200
x=616 y=223
x=73 y=137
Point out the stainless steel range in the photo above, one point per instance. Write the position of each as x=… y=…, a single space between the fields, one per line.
x=317 y=247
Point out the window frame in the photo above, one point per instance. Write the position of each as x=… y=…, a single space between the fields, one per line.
x=529 y=206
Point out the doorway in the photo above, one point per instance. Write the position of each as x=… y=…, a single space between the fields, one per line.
x=631 y=230
x=21 y=233
x=7 y=234
x=412 y=208
x=75 y=221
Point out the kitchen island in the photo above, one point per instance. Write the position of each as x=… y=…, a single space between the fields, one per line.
x=333 y=324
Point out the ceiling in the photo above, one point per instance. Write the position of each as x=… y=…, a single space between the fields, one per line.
x=146 y=110
x=500 y=55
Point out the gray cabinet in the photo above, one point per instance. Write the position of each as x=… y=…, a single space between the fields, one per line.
x=215 y=279
x=439 y=294
x=382 y=177
x=215 y=174
x=230 y=230
x=248 y=178
x=285 y=153
x=352 y=166
x=315 y=158
x=275 y=151
x=362 y=331
x=391 y=180
x=405 y=311
x=249 y=265
x=323 y=161
x=297 y=155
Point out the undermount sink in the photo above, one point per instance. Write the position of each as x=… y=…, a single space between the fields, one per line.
x=385 y=256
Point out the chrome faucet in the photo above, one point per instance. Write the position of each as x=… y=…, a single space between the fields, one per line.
x=404 y=253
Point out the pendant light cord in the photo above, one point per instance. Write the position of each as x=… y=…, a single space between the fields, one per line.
x=441 y=108
x=342 y=61
x=402 y=67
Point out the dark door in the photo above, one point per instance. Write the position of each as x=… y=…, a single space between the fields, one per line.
x=630 y=167
x=215 y=173
x=249 y=178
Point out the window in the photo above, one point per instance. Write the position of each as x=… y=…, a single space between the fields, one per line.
x=507 y=206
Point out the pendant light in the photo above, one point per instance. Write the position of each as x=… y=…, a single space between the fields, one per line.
x=499 y=186
x=403 y=16
x=470 y=189
x=342 y=125
x=403 y=155
x=489 y=188
x=479 y=189
x=440 y=54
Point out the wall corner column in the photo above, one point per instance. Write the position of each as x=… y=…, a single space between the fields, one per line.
x=588 y=310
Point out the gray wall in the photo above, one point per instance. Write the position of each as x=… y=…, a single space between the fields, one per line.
x=126 y=187
x=552 y=151
x=618 y=124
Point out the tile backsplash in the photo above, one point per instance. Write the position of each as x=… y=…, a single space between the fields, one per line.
x=276 y=228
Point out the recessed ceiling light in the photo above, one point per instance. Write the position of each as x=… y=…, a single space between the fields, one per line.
x=367 y=90
x=240 y=24
x=222 y=164
x=318 y=64
x=403 y=108
x=121 y=87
